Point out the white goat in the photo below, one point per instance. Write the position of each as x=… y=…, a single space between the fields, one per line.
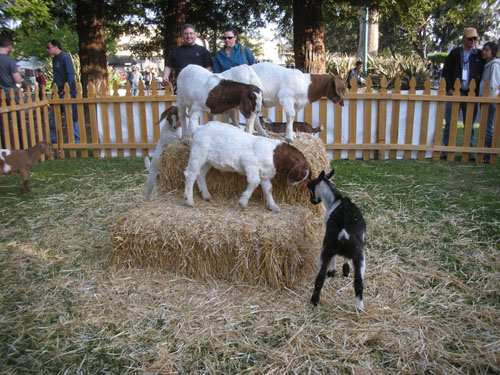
x=293 y=89
x=200 y=90
x=227 y=148
x=169 y=132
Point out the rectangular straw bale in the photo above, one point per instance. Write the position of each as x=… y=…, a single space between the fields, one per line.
x=175 y=158
x=220 y=240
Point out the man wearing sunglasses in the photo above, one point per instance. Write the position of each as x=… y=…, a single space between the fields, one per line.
x=233 y=54
x=188 y=53
x=466 y=64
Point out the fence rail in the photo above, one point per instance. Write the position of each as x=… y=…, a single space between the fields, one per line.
x=373 y=124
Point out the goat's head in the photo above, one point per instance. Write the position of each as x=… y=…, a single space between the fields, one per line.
x=251 y=101
x=290 y=161
x=336 y=90
x=46 y=148
x=315 y=184
x=172 y=116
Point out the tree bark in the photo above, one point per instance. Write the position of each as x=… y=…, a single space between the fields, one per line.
x=91 y=42
x=373 y=20
x=308 y=36
x=173 y=19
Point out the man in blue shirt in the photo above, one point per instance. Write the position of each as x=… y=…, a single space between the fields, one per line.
x=64 y=72
x=233 y=54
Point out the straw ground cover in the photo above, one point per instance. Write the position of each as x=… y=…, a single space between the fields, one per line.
x=431 y=297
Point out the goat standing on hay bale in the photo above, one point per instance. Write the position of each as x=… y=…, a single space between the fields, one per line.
x=345 y=236
x=200 y=90
x=21 y=161
x=168 y=133
x=229 y=149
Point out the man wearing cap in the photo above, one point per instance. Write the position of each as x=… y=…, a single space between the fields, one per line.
x=466 y=64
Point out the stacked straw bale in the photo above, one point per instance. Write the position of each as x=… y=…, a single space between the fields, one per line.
x=219 y=239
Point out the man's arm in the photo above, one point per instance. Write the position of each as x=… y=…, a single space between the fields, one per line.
x=166 y=74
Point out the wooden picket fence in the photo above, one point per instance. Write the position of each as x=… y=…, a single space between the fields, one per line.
x=372 y=124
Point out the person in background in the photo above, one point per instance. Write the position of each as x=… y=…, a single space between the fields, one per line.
x=148 y=79
x=233 y=53
x=188 y=53
x=135 y=77
x=491 y=74
x=355 y=72
x=466 y=64
x=9 y=78
x=64 y=72
x=41 y=81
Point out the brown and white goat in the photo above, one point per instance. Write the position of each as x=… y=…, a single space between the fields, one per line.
x=228 y=149
x=280 y=127
x=200 y=90
x=21 y=161
x=293 y=89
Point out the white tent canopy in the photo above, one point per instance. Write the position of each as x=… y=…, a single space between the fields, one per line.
x=31 y=63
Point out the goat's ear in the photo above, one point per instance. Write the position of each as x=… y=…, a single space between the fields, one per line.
x=296 y=174
x=247 y=104
x=330 y=174
x=337 y=89
x=321 y=175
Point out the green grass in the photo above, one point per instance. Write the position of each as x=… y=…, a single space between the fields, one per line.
x=432 y=282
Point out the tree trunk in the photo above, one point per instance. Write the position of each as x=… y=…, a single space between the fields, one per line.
x=308 y=36
x=173 y=19
x=373 y=17
x=91 y=42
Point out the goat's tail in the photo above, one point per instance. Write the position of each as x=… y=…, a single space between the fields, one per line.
x=318 y=129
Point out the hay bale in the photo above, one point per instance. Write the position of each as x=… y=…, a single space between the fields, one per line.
x=230 y=185
x=220 y=240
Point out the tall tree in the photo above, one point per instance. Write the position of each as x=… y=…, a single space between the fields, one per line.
x=308 y=36
x=92 y=42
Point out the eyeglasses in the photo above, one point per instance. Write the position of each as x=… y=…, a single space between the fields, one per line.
x=473 y=38
x=227 y=37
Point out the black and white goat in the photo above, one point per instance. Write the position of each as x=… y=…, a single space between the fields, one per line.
x=345 y=236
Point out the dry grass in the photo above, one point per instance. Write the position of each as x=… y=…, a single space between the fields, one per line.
x=431 y=288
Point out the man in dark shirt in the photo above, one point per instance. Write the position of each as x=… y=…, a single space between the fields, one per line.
x=464 y=63
x=62 y=66
x=188 y=53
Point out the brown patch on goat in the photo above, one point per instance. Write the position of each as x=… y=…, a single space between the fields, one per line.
x=298 y=126
x=229 y=94
x=21 y=161
x=333 y=87
x=168 y=114
x=291 y=162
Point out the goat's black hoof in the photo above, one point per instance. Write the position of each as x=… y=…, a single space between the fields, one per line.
x=331 y=273
x=345 y=269
x=314 y=301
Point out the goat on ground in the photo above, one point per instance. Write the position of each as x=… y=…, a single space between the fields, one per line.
x=345 y=236
x=280 y=127
x=200 y=90
x=293 y=89
x=21 y=161
x=228 y=149
x=169 y=132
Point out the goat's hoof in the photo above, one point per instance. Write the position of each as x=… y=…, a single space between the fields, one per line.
x=189 y=202
x=206 y=197
x=290 y=138
x=331 y=273
x=274 y=209
x=345 y=270
x=315 y=301
x=243 y=204
x=359 y=304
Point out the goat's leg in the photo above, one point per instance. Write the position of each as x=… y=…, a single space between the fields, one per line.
x=289 y=108
x=150 y=183
x=331 y=268
x=253 y=180
x=190 y=173
x=359 y=274
x=345 y=267
x=25 y=187
x=184 y=120
x=202 y=182
x=233 y=115
x=324 y=261
x=259 y=127
x=266 y=188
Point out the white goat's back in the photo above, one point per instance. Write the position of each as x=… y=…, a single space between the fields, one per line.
x=228 y=148
x=244 y=74
x=280 y=82
x=192 y=81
